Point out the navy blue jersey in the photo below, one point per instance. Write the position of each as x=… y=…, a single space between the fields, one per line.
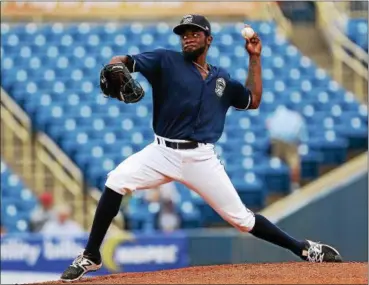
x=185 y=106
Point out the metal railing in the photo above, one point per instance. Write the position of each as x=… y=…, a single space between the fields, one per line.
x=16 y=140
x=346 y=54
x=42 y=165
x=284 y=24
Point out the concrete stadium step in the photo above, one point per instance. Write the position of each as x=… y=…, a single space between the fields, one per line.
x=311 y=42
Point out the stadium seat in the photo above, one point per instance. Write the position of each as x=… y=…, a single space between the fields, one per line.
x=334 y=149
x=17 y=202
x=141 y=214
x=190 y=215
x=357 y=31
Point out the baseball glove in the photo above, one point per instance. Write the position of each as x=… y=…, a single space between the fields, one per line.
x=116 y=82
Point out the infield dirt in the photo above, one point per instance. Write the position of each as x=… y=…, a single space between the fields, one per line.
x=260 y=273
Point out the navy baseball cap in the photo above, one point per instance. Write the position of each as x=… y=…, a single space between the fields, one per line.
x=198 y=21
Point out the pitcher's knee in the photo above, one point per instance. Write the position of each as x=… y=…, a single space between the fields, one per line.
x=119 y=183
x=244 y=222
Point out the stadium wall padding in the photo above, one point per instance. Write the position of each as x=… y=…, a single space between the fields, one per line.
x=340 y=219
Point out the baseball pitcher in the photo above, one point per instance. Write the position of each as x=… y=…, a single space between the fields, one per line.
x=190 y=101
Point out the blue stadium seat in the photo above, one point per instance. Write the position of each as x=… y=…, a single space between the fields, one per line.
x=334 y=149
x=140 y=213
x=310 y=162
x=251 y=189
x=208 y=215
x=17 y=202
x=357 y=31
x=355 y=131
x=190 y=215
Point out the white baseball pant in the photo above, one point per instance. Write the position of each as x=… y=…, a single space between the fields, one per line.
x=199 y=169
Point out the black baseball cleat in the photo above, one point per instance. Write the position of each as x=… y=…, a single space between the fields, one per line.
x=317 y=252
x=79 y=267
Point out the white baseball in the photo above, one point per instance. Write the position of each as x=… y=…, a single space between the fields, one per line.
x=247 y=32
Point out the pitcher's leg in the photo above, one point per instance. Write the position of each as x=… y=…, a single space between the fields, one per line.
x=152 y=166
x=107 y=208
x=143 y=170
x=209 y=179
x=146 y=169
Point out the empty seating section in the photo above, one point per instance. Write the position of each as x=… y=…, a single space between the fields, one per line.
x=52 y=71
x=357 y=31
x=17 y=202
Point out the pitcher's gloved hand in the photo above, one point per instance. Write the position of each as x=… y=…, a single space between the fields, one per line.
x=116 y=82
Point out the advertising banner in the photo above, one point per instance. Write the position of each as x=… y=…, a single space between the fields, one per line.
x=125 y=10
x=123 y=253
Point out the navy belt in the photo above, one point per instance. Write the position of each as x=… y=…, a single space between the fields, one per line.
x=179 y=145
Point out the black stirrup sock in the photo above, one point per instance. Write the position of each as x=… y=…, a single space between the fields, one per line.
x=107 y=209
x=266 y=230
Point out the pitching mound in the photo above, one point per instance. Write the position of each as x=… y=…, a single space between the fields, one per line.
x=261 y=273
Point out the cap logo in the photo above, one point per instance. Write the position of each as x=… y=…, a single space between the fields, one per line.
x=187 y=19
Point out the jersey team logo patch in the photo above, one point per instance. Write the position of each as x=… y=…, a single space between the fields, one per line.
x=220 y=85
x=187 y=19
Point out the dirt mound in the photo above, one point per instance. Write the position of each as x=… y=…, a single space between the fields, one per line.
x=260 y=273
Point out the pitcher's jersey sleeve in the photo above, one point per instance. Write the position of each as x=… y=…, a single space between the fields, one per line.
x=148 y=63
x=241 y=97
